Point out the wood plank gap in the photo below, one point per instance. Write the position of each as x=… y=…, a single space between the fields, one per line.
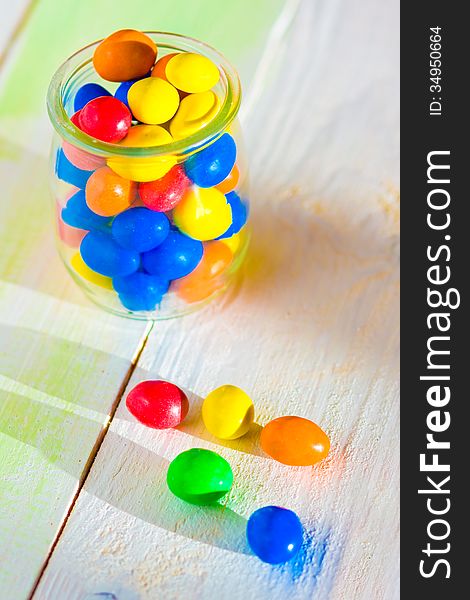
x=17 y=31
x=94 y=452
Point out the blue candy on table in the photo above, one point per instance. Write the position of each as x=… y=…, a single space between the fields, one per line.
x=274 y=534
x=105 y=256
x=140 y=229
x=211 y=166
x=88 y=92
x=239 y=214
x=140 y=291
x=176 y=257
x=66 y=171
x=77 y=214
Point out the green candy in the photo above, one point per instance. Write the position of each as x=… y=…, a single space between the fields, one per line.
x=199 y=476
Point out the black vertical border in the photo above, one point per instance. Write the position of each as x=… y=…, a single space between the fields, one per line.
x=420 y=134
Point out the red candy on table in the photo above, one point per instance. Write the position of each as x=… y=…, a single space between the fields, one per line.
x=158 y=404
x=164 y=194
x=105 y=118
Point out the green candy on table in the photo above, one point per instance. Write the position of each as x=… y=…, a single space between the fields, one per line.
x=199 y=476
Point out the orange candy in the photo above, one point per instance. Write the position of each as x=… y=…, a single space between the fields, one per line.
x=205 y=279
x=125 y=54
x=294 y=441
x=230 y=182
x=160 y=66
x=108 y=194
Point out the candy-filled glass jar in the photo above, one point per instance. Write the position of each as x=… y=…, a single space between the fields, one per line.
x=149 y=178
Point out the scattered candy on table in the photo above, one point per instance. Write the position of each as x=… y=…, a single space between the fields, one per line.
x=147 y=218
x=228 y=412
x=295 y=441
x=158 y=404
x=274 y=534
x=199 y=476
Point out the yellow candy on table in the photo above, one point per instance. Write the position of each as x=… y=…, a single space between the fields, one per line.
x=228 y=412
x=153 y=100
x=79 y=266
x=203 y=213
x=138 y=168
x=194 y=112
x=192 y=72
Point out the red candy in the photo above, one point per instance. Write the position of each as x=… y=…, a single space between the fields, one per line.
x=158 y=404
x=81 y=159
x=105 y=118
x=164 y=194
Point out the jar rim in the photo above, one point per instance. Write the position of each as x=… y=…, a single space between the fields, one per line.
x=188 y=145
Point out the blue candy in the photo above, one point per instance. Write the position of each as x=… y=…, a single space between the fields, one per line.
x=102 y=254
x=66 y=171
x=211 y=166
x=176 y=257
x=239 y=214
x=88 y=92
x=77 y=214
x=140 y=229
x=140 y=291
x=274 y=534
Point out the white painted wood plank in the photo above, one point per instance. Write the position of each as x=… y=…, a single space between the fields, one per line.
x=312 y=330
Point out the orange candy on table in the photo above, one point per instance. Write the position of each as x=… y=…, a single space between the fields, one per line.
x=108 y=194
x=230 y=182
x=205 y=280
x=124 y=55
x=294 y=441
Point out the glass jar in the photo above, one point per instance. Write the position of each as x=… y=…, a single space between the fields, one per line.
x=201 y=220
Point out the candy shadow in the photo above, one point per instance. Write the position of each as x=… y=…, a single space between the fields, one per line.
x=133 y=479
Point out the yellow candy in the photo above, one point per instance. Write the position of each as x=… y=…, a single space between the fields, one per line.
x=228 y=412
x=191 y=72
x=203 y=213
x=84 y=271
x=234 y=242
x=194 y=113
x=153 y=100
x=147 y=168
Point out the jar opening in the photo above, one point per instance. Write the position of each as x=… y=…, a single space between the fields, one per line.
x=74 y=70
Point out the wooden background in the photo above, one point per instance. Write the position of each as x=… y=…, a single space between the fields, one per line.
x=312 y=328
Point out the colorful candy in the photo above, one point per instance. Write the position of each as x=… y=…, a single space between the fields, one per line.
x=206 y=278
x=195 y=112
x=140 y=229
x=108 y=194
x=239 y=214
x=153 y=100
x=199 y=476
x=77 y=214
x=175 y=257
x=160 y=66
x=164 y=194
x=294 y=441
x=211 y=166
x=274 y=534
x=125 y=54
x=80 y=267
x=158 y=404
x=69 y=173
x=230 y=182
x=87 y=92
x=228 y=412
x=103 y=255
x=192 y=72
x=106 y=119
x=203 y=213
x=140 y=168
x=140 y=291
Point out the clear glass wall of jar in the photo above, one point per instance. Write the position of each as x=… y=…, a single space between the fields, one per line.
x=162 y=181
